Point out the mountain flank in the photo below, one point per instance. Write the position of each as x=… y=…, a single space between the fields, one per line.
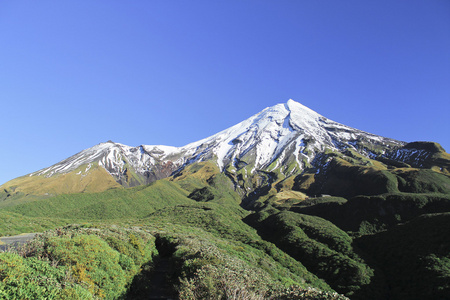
x=284 y=205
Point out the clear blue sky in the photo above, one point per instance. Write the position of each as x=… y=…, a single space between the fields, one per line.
x=77 y=73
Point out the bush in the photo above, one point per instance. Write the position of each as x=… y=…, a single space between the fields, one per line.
x=75 y=263
x=36 y=279
x=93 y=263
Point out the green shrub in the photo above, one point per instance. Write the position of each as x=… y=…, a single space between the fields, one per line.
x=92 y=262
x=76 y=262
x=209 y=272
x=32 y=278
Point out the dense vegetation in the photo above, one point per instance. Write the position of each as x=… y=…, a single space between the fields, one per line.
x=106 y=262
x=414 y=257
x=75 y=263
x=383 y=234
x=322 y=247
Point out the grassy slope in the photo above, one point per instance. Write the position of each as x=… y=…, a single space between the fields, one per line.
x=84 y=179
x=14 y=223
x=112 y=204
x=414 y=257
x=379 y=193
x=165 y=202
x=79 y=262
x=374 y=196
x=369 y=214
x=381 y=197
x=322 y=247
x=38 y=213
x=224 y=224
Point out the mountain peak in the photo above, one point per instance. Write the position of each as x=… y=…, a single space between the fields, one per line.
x=292 y=104
x=285 y=137
x=297 y=107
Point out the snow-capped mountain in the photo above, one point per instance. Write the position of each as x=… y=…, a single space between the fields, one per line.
x=148 y=163
x=285 y=138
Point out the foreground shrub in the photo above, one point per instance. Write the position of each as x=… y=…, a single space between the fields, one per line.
x=230 y=280
x=35 y=279
x=75 y=263
x=209 y=269
x=101 y=263
x=93 y=263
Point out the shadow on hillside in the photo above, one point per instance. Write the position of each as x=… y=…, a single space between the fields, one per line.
x=156 y=280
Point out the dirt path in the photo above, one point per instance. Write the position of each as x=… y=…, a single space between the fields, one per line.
x=160 y=287
x=8 y=242
x=153 y=282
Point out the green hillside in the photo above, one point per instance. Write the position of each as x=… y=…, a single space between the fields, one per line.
x=365 y=228
x=112 y=204
x=414 y=257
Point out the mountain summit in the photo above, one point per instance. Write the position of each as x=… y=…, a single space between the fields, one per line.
x=286 y=139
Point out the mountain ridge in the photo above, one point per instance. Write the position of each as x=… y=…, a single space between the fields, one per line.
x=287 y=139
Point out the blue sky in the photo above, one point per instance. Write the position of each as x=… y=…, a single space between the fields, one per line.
x=77 y=73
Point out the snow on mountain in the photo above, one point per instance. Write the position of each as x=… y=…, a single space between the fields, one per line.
x=284 y=131
x=283 y=135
